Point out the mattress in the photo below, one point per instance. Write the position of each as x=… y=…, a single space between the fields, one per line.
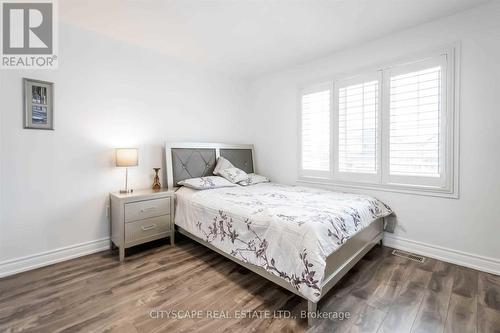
x=287 y=230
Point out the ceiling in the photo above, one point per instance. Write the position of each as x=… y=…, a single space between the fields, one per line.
x=252 y=37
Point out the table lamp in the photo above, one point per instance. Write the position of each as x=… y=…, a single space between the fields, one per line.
x=126 y=157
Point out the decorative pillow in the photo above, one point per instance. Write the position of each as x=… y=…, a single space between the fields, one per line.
x=253 y=179
x=234 y=175
x=205 y=183
x=222 y=164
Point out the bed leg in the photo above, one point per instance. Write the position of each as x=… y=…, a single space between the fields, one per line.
x=381 y=242
x=311 y=307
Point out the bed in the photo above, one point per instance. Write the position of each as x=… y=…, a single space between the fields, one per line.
x=303 y=239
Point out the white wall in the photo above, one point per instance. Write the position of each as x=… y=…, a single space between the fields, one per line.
x=466 y=230
x=55 y=184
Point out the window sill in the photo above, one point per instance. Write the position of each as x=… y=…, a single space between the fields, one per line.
x=406 y=189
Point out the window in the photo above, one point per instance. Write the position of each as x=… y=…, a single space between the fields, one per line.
x=416 y=135
x=391 y=128
x=356 y=124
x=315 y=130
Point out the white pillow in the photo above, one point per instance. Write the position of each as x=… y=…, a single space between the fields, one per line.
x=205 y=183
x=222 y=164
x=234 y=175
x=253 y=179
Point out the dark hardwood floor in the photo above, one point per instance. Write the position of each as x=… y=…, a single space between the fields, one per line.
x=382 y=293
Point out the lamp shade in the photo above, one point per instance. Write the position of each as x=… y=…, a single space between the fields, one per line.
x=127 y=157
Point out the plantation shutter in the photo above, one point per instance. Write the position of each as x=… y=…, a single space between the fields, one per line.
x=357 y=125
x=315 y=128
x=415 y=129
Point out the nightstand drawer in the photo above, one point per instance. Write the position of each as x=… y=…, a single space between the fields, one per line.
x=144 y=209
x=135 y=231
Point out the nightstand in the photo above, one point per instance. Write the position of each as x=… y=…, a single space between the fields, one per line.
x=140 y=217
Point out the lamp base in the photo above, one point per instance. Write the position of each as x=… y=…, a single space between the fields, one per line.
x=126 y=190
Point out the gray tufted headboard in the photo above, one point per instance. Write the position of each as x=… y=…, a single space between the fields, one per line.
x=189 y=160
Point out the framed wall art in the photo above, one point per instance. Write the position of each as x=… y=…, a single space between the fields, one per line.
x=38 y=104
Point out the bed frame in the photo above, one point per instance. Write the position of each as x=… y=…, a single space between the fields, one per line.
x=188 y=160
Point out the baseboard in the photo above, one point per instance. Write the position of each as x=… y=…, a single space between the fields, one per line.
x=481 y=263
x=27 y=263
x=474 y=261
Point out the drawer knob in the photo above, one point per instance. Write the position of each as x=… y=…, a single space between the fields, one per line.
x=144 y=210
x=149 y=227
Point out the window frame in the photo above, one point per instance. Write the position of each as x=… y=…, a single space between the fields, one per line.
x=308 y=173
x=443 y=137
x=353 y=176
x=449 y=186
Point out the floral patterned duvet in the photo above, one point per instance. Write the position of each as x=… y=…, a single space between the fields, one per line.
x=287 y=230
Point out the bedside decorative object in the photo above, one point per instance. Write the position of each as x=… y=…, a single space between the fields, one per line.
x=127 y=157
x=140 y=217
x=156 y=180
x=38 y=104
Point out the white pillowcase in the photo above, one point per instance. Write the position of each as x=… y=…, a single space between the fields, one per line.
x=222 y=164
x=234 y=175
x=253 y=179
x=205 y=183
